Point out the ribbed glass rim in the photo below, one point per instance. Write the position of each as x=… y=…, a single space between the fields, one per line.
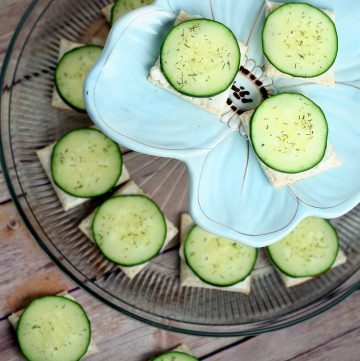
x=329 y=299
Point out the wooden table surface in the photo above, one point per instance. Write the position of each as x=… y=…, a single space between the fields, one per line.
x=25 y=272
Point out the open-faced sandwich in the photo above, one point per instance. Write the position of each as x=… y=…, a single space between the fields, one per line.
x=119 y=8
x=210 y=261
x=307 y=252
x=129 y=229
x=54 y=328
x=198 y=62
x=83 y=164
x=300 y=41
x=289 y=134
x=75 y=61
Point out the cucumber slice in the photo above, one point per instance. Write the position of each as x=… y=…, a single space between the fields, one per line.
x=300 y=40
x=175 y=356
x=309 y=250
x=54 y=328
x=200 y=57
x=122 y=7
x=85 y=163
x=289 y=133
x=71 y=72
x=216 y=260
x=129 y=230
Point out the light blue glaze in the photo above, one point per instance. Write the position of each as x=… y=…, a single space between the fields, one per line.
x=229 y=193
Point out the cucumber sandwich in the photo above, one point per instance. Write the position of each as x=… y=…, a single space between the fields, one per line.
x=85 y=163
x=209 y=261
x=198 y=62
x=122 y=7
x=200 y=57
x=53 y=328
x=71 y=71
x=289 y=133
x=300 y=40
x=137 y=247
x=308 y=251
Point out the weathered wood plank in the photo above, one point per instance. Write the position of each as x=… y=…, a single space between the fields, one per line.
x=335 y=328
x=25 y=269
x=4 y=193
x=27 y=272
x=344 y=348
x=10 y=14
x=119 y=337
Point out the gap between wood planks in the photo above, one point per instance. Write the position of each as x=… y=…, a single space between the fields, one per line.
x=249 y=348
x=119 y=336
x=115 y=333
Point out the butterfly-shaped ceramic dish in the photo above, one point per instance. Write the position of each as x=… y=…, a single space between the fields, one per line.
x=229 y=193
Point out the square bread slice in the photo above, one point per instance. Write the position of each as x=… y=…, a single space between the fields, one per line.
x=291 y=282
x=187 y=276
x=216 y=104
x=129 y=188
x=65 y=46
x=14 y=319
x=67 y=201
x=328 y=78
x=106 y=11
x=279 y=179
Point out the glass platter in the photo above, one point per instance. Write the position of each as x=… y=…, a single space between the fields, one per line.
x=29 y=123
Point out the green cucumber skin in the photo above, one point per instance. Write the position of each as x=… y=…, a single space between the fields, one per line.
x=112 y=20
x=80 y=110
x=137 y=263
x=172 y=354
x=209 y=94
x=67 y=300
x=71 y=193
x=289 y=274
x=289 y=73
x=304 y=169
x=223 y=285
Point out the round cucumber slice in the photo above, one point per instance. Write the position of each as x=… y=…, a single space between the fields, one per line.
x=289 y=133
x=54 y=328
x=85 y=163
x=122 y=7
x=129 y=230
x=175 y=356
x=300 y=40
x=309 y=250
x=200 y=57
x=71 y=72
x=216 y=260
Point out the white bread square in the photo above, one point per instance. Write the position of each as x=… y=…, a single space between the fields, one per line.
x=65 y=46
x=14 y=319
x=130 y=188
x=279 y=179
x=187 y=276
x=328 y=78
x=67 y=201
x=216 y=104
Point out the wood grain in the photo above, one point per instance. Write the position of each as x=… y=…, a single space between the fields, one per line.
x=26 y=272
x=315 y=336
x=4 y=193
